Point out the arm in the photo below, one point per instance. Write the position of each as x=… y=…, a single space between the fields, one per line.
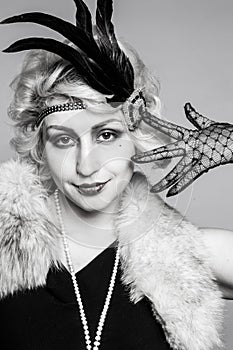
x=220 y=244
x=201 y=149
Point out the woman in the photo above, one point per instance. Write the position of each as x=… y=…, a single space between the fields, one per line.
x=89 y=257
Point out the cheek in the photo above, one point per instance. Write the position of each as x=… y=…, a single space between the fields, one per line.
x=117 y=158
x=127 y=148
x=60 y=163
x=123 y=149
x=121 y=168
x=121 y=172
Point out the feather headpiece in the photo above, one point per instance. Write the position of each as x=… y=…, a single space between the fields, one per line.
x=97 y=58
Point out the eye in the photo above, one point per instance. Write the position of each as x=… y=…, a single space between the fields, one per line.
x=64 y=141
x=108 y=135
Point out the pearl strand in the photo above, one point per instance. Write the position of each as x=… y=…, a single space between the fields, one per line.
x=76 y=288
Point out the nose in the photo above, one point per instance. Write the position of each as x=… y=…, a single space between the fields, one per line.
x=87 y=159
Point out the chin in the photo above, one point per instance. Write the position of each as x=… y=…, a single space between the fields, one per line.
x=92 y=207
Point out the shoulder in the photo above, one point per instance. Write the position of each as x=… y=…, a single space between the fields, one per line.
x=219 y=243
x=217 y=238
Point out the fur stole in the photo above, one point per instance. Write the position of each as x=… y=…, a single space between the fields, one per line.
x=162 y=255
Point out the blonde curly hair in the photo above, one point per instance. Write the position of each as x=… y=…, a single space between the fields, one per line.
x=45 y=78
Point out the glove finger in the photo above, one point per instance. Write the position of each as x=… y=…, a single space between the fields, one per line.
x=186 y=180
x=198 y=120
x=163 y=152
x=170 y=129
x=174 y=175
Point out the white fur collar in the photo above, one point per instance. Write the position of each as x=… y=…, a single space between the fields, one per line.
x=162 y=255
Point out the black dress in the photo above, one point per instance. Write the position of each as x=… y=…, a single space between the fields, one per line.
x=47 y=318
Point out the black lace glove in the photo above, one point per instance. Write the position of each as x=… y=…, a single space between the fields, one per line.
x=203 y=148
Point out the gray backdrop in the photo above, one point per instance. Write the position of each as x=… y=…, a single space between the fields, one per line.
x=189 y=46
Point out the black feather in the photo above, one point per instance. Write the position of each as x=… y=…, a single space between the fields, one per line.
x=83 y=17
x=101 y=63
x=86 y=71
x=74 y=34
x=86 y=45
x=105 y=28
x=109 y=46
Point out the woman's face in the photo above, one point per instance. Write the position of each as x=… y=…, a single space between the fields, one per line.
x=85 y=148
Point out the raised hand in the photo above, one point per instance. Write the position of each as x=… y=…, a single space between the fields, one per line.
x=203 y=148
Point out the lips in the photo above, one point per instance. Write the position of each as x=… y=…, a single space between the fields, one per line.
x=94 y=184
x=91 y=189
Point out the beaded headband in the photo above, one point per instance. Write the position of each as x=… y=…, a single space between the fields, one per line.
x=130 y=109
x=59 y=108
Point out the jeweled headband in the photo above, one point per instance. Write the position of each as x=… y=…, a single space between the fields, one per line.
x=60 y=108
x=130 y=109
x=98 y=59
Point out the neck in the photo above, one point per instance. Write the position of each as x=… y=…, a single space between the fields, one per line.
x=95 y=228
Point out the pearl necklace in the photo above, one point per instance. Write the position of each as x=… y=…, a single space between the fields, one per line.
x=76 y=288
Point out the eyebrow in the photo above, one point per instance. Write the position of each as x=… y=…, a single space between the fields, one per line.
x=93 y=128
